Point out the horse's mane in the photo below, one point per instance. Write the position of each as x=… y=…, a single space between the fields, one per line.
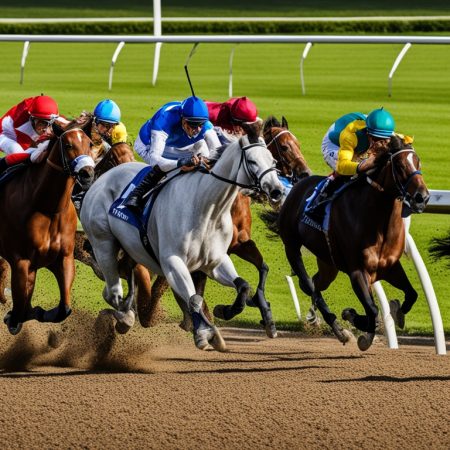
x=242 y=142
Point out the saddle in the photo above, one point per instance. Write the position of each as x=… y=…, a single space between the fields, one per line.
x=318 y=206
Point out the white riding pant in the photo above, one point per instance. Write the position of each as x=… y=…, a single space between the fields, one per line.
x=329 y=150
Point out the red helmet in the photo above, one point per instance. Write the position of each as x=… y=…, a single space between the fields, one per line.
x=44 y=107
x=243 y=110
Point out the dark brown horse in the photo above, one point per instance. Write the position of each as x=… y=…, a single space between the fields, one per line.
x=365 y=238
x=285 y=149
x=39 y=222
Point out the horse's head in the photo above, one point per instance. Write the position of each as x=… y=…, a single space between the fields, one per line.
x=285 y=148
x=257 y=170
x=402 y=165
x=71 y=154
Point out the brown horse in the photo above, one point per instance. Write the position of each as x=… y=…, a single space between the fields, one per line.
x=285 y=149
x=39 y=223
x=364 y=242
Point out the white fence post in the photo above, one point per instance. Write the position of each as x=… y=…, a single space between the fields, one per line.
x=230 y=81
x=389 y=324
x=436 y=319
x=294 y=296
x=304 y=55
x=157 y=31
x=396 y=64
x=113 y=62
x=26 y=47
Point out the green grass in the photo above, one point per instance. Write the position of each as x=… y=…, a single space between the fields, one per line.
x=339 y=79
x=207 y=8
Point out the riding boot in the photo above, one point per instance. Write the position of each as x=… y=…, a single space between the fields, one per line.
x=135 y=200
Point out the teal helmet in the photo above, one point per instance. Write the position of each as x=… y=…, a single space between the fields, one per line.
x=107 y=111
x=194 y=109
x=380 y=123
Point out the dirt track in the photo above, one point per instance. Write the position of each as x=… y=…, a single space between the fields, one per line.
x=155 y=390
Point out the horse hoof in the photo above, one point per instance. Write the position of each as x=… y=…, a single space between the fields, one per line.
x=217 y=342
x=311 y=316
x=124 y=321
x=349 y=315
x=397 y=314
x=365 y=341
x=202 y=338
x=339 y=332
x=271 y=330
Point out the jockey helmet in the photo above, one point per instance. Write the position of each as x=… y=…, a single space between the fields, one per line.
x=380 y=123
x=107 y=111
x=44 y=107
x=243 y=110
x=194 y=110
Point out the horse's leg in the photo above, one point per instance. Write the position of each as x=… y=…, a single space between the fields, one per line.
x=106 y=253
x=325 y=275
x=365 y=323
x=248 y=251
x=199 y=279
x=64 y=271
x=181 y=282
x=4 y=278
x=226 y=274
x=83 y=252
x=397 y=277
x=22 y=287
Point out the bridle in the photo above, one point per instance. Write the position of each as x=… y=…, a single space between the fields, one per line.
x=256 y=185
x=403 y=194
x=283 y=160
x=70 y=168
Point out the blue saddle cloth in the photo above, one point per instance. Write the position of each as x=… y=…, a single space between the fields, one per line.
x=11 y=172
x=318 y=216
x=120 y=211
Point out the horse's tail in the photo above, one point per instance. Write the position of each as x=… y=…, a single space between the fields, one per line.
x=270 y=219
x=440 y=247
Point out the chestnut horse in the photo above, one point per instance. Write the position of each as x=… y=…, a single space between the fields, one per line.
x=364 y=242
x=39 y=222
x=285 y=149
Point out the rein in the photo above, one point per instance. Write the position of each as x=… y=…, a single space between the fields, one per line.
x=283 y=160
x=256 y=186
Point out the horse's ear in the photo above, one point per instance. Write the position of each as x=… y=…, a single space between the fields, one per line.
x=284 y=123
x=396 y=143
x=270 y=122
x=57 y=130
x=253 y=130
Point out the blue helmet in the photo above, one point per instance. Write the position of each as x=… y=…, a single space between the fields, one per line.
x=107 y=111
x=380 y=123
x=194 y=109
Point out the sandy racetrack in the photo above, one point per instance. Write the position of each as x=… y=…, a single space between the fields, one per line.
x=153 y=389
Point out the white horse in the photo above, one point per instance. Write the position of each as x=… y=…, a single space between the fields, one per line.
x=189 y=230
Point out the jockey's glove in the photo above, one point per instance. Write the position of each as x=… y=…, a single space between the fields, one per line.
x=187 y=161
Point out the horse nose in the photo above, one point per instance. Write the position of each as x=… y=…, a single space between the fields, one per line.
x=86 y=177
x=275 y=195
x=419 y=198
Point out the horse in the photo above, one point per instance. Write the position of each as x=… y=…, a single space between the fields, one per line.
x=290 y=162
x=364 y=242
x=189 y=230
x=39 y=223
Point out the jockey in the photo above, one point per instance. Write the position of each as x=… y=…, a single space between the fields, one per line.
x=108 y=124
x=25 y=130
x=228 y=117
x=178 y=135
x=346 y=143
